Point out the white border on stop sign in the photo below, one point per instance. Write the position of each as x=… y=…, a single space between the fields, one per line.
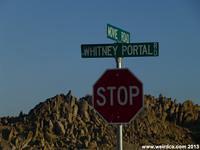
x=140 y=110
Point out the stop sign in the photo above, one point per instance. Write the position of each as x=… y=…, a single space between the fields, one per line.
x=118 y=96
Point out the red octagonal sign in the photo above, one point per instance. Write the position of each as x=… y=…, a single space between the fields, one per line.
x=118 y=96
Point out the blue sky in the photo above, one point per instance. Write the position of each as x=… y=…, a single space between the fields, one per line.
x=40 y=53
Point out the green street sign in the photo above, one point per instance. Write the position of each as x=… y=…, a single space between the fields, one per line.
x=118 y=34
x=120 y=50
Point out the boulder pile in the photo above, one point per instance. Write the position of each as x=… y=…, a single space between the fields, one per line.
x=65 y=122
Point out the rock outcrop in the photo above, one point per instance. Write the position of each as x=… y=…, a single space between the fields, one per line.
x=65 y=122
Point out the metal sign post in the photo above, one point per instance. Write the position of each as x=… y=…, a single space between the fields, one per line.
x=120 y=126
x=120 y=137
x=119 y=66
